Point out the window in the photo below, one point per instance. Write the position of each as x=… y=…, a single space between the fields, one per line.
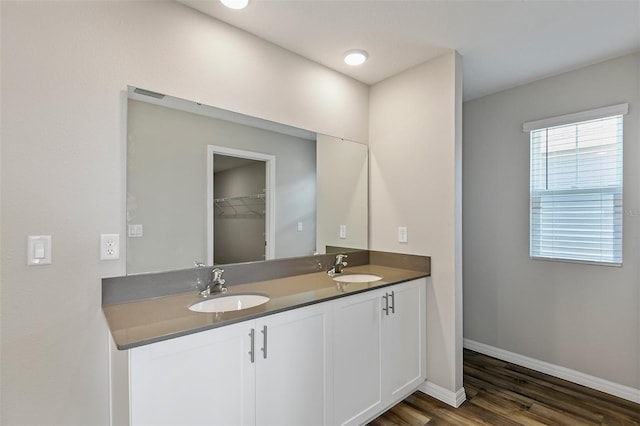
x=576 y=186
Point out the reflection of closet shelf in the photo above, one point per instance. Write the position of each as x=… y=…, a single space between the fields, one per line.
x=242 y=206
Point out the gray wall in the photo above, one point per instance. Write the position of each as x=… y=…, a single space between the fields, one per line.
x=582 y=317
x=166 y=184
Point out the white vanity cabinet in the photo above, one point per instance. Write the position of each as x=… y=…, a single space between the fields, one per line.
x=293 y=378
x=202 y=378
x=219 y=377
x=343 y=361
x=379 y=350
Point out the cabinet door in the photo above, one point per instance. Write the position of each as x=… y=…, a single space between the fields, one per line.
x=404 y=362
x=293 y=365
x=203 y=378
x=357 y=333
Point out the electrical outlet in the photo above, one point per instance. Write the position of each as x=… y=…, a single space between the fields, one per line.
x=343 y=231
x=109 y=246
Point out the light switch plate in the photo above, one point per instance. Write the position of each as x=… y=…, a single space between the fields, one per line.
x=134 y=231
x=343 y=231
x=402 y=234
x=38 y=250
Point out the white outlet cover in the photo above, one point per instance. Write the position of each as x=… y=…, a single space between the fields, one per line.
x=109 y=246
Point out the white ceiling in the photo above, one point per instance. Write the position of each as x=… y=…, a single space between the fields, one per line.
x=503 y=43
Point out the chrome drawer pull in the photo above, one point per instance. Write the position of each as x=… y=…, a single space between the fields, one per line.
x=264 y=342
x=252 y=335
x=386 y=304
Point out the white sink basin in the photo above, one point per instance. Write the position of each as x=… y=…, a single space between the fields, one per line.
x=356 y=278
x=234 y=302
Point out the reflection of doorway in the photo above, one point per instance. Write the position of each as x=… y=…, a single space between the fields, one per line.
x=240 y=206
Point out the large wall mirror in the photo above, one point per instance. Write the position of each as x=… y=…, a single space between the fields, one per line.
x=216 y=187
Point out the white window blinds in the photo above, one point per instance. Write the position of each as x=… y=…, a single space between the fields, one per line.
x=576 y=188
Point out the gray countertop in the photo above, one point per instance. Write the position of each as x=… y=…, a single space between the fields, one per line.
x=141 y=322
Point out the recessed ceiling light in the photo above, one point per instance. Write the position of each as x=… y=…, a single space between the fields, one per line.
x=235 y=4
x=355 y=57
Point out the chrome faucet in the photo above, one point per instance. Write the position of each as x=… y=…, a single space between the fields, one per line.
x=216 y=285
x=338 y=264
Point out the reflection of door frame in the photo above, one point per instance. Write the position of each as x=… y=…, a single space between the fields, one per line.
x=270 y=205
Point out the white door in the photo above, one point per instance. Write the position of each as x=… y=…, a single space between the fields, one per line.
x=293 y=367
x=404 y=361
x=357 y=331
x=203 y=378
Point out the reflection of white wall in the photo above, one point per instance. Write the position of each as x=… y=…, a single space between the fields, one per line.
x=166 y=184
x=239 y=225
x=342 y=193
x=64 y=68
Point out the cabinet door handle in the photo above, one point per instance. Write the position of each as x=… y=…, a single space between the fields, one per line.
x=385 y=308
x=252 y=336
x=264 y=342
x=393 y=302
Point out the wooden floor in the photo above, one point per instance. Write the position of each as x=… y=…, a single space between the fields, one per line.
x=499 y=393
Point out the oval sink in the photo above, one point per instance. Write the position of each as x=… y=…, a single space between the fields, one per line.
x=357 y=278
x=234 y=302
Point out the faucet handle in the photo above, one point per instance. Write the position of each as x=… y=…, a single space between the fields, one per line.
x=216 y=275
x=340 y=257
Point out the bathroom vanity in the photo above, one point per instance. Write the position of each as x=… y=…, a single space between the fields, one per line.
x=321 y=351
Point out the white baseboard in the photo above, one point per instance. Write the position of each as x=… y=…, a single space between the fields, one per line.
x=606 y=386
x=455 y=399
